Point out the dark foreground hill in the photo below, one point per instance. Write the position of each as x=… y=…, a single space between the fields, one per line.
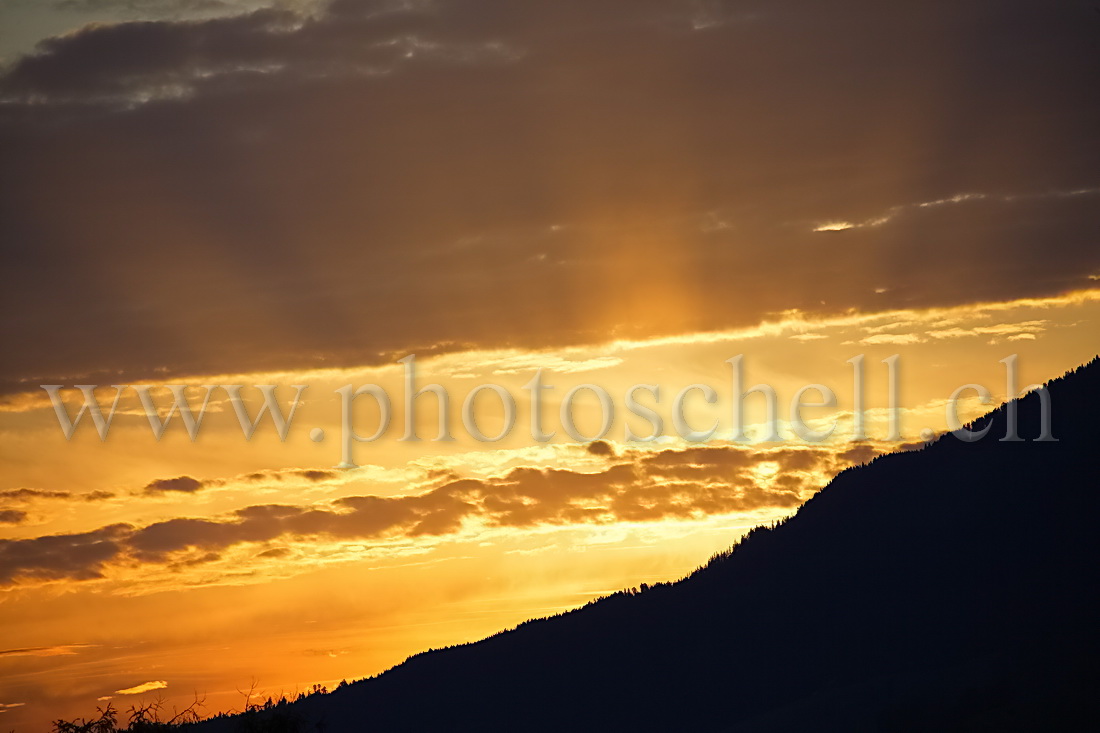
x=948 y=589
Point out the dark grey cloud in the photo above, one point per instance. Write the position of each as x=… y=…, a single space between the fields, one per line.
x=25 y=495
x=80 y=556
x=863 y=452
x=182 y=484
x=191 y=485
x=277 y=190
x=309 y=474
x=131 y=63
x=12 y=516
x=600 y=448
x=682 y=484
x=32 y=494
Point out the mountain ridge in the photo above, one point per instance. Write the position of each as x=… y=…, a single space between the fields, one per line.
x=946 y=588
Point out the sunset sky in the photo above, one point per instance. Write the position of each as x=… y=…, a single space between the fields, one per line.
x=618 y=193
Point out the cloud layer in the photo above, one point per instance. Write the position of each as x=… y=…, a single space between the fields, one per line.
x=282 y=189
x=669 y=484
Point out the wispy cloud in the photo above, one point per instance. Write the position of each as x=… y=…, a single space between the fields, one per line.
x=45 y=651
x=960 y=198
x=143 y=687
x=835 y=226
x=892 y=338
x=1023 y=329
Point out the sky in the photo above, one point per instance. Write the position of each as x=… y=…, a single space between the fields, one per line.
x=617 y=193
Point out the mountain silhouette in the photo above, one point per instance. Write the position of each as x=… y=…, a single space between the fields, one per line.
x=951 y=588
